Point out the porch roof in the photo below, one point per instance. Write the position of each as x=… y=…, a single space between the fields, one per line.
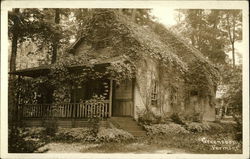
x=44 y=70
x=33 y=72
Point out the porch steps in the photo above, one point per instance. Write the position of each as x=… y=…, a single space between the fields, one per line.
x=128 y=124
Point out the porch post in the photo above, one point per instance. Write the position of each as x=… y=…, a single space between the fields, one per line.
x=110 y=97
x=18 y=115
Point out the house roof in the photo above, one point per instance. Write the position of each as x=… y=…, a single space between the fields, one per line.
x=162 y=41
x=129 y=38
x=147 y=40
x=154 y=40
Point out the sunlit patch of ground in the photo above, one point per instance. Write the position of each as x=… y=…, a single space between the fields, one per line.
x=60 y=147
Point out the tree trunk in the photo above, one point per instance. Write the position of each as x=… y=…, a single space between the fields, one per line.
x=233 y=54
x=233 y=40
x=55 y=44
x=231 y=37
x=14 y=42
x=12 y=107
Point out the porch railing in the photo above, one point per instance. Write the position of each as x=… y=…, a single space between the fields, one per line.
x=85 y=109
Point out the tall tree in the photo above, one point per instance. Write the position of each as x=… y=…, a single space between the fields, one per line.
x=55 y=43
x=201 y=27
x=15 y=34
x=31 y=25
x=232 y=25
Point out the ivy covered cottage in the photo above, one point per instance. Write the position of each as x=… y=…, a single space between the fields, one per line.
x=117 y=68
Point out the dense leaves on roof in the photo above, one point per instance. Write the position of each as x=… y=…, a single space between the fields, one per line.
x=109 y=28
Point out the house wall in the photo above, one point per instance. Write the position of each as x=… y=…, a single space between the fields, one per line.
x=147 y=72
x=209 y=109
x=170 y=99
x=200 y=108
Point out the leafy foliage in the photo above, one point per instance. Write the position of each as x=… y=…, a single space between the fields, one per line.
x=22 y=140
x=200 y=75
x=238 y=128
x=113 y=135
x=177 y=119
x=203 y=29
x=74 y=134
x=233 y=96
x=197 y=127
x=35 y=25
x=90 y=135
x=165 y=129
x=212 y=32
x=110 y=29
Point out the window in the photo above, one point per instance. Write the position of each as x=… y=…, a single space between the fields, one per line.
x=154 y=93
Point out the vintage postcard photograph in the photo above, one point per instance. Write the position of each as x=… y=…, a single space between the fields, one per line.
x=135 y=79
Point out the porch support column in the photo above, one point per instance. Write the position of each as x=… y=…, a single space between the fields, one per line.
x=110 y=97
x=17 y=104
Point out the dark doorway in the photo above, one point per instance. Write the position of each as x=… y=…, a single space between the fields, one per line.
x=123 y=99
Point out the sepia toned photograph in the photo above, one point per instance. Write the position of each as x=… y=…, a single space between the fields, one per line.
x=160 y=80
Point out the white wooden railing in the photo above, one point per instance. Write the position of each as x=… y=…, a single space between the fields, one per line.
x=85 y=109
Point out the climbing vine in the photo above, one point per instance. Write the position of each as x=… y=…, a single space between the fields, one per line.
x=109 y=29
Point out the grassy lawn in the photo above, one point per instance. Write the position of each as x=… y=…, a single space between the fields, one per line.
x=188 y=143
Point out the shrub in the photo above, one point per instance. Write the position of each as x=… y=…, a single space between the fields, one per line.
x=113 y=135
x=146 y=117
x=74 y=134
x=215 y=127
x=95 y=123
x=210 y=127
x=238 y=127
x=20 y=141
x=176 y=119
x=193 y=117
x=165 y=129
x=197 y=127
x=35 y=132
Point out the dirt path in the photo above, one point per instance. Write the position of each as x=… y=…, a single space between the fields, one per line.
x=108 y=148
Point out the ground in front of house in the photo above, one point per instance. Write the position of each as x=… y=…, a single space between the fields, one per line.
x=167 y=138
x=159 y=145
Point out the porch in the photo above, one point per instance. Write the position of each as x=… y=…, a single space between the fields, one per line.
x=84 y=109
x=77 y=100
x=116 y=101
x=66 y=114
